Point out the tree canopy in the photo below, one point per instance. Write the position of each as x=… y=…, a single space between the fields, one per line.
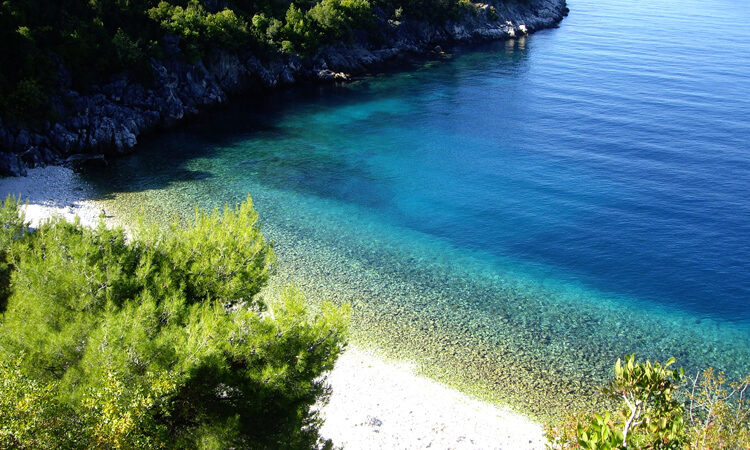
x=159 y=340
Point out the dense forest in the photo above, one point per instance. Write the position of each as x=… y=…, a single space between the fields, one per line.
x=83 y=41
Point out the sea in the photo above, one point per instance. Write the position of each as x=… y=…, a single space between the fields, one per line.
x=511 y=216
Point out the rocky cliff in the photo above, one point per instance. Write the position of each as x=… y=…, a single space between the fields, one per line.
x=108 y=119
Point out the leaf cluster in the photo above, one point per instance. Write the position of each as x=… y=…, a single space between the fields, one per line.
x=652 y=416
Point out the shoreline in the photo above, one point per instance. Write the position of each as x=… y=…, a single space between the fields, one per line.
x=109 y=120
x=375 y=402
x=53 y=191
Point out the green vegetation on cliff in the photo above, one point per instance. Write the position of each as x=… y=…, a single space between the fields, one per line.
x=159 y=340
x=92 y=39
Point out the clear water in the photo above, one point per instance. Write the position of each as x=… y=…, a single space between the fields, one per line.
x=514 y=216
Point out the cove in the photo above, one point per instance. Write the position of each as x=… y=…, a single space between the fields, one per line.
x=513 y=216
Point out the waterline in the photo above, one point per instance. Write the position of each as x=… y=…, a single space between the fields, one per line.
x=503 y=330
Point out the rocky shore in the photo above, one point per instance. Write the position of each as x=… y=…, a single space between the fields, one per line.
x=110 y=118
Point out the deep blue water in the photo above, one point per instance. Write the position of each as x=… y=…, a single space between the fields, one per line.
x=604 y=162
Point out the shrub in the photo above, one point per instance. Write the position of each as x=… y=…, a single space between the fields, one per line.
x=28 y=100
x=338 y=18
x=127 y=49
x=650 y=415
x=30 y=414
x=433 y=11
x=299 y=32
x=326 y=22
x=200 y=30
x=160 y=340
x=713 y=415
x=718 y=411
x=12 y=227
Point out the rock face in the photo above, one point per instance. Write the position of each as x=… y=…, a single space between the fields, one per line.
x=108 y=119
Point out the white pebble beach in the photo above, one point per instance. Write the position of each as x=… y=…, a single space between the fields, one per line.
x=375 y=403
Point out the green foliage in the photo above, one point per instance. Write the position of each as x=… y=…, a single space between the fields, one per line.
x=599 y=432
x=492 y=13
x=30 y=414
x=651 y=417
x=40 y=36
x=12 y=227
x=223 y=257
x=326 y=22
x=268 y=30
x=199 y=29
x=713 y=415
x=159 y=340
x=718 y=412
x=27 y=100
x=299 y=31
x=337 y=18
x=128 y=50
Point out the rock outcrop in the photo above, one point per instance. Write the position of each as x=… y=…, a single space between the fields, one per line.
x=109 y=118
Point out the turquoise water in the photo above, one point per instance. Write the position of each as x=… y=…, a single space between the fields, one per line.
x=513 y=216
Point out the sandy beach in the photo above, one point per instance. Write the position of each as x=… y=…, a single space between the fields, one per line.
x=375 y=403
x=379 y=404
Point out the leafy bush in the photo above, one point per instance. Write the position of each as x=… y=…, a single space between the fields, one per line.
x=337 y=18
x=299 y=31
x=39 y=36
x=159 y=340
x=128 y=50
x=199 y=29
x=267 y=30
x=28 y=100
x=30 y=414
x=12 y=227
x=712 y=415
x=326 y=22
x=718 y=412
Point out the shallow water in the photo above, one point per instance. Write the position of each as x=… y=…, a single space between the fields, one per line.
x=515 y=216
